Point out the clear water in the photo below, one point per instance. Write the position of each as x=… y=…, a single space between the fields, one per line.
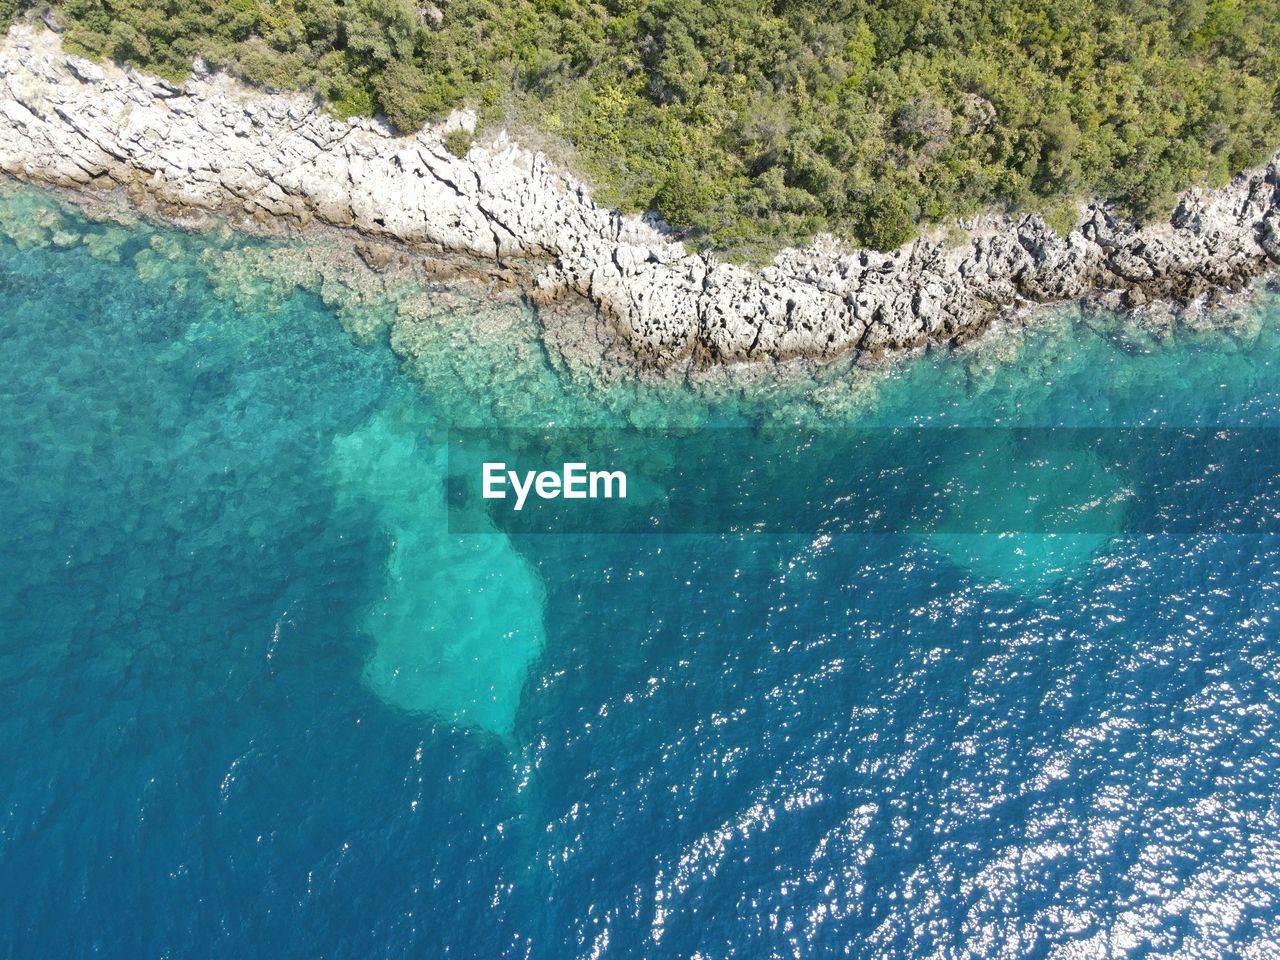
x=255 y=702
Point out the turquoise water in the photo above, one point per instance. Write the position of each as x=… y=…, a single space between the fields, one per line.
x=257 y=701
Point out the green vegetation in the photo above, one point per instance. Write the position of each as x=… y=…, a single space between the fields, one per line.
x=752 y=124
x=458 y=141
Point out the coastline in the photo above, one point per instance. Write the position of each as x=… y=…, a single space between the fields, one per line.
x=505 y=215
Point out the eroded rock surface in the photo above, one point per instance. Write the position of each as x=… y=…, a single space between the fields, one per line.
x=215 y=145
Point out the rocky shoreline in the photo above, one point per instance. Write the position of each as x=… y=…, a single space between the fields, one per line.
x=506 y=213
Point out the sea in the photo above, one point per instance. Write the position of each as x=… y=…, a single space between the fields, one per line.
x=268 y=689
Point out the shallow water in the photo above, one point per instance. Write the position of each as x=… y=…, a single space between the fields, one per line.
x=257 y=702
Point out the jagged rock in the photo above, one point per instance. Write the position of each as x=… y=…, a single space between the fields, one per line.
x=215 y=146
x=85 y=70
x=1269 y=235
x=379 y=257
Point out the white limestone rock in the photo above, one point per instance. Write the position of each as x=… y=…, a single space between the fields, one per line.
x=214 y=145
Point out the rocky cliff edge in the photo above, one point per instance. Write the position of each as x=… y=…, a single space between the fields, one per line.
x=214 y=145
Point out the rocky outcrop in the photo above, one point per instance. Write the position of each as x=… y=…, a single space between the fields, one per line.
x=214 y=145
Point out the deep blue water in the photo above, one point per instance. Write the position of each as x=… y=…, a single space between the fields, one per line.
x=256 y=702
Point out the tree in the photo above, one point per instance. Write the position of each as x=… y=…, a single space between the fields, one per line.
x=377 y=32
x=887 y=224
x=404 y=97
x=683 y=197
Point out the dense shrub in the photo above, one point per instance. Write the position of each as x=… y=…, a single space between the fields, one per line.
x=458 y=141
